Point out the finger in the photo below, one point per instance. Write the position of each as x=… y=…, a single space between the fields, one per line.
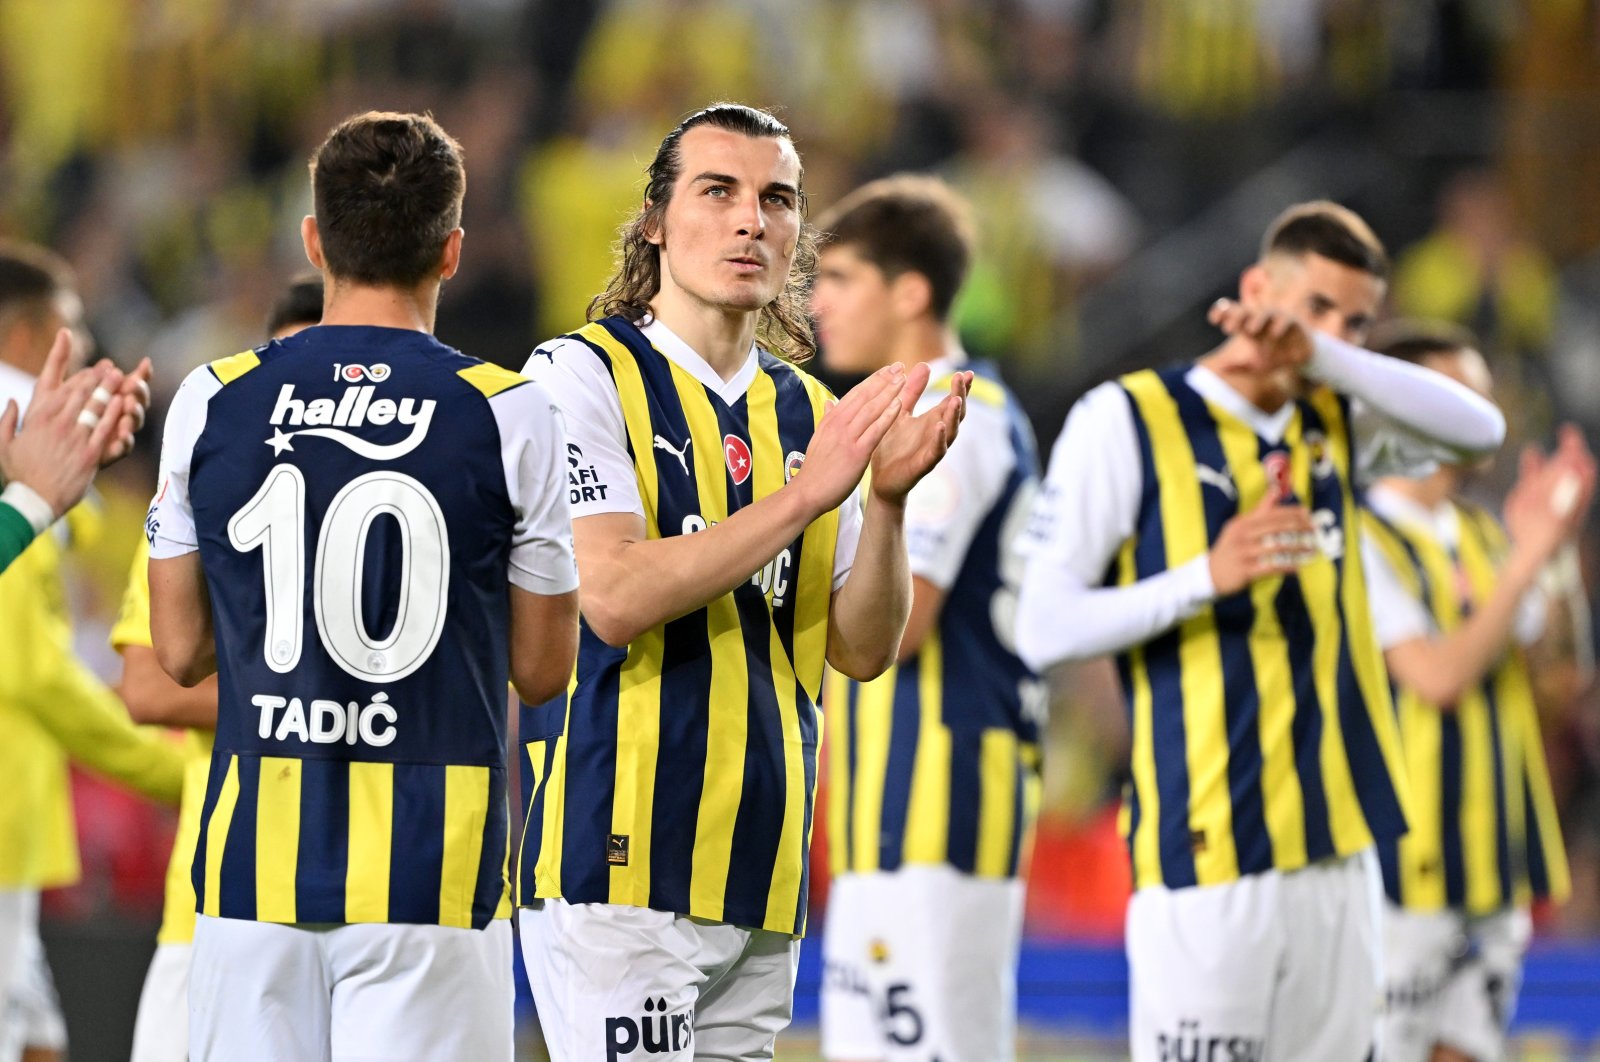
x=875 y=431
x=55 y=362
x=1219 y=311
x=100 y=438
x=1530 y=462
x=136 y=384
x=916 y=382
x=865 y=401
x=76 y=396
x=8 y=421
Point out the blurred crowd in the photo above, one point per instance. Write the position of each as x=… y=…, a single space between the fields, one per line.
x=160 y=145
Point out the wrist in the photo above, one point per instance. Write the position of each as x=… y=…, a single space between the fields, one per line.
x=31 y=504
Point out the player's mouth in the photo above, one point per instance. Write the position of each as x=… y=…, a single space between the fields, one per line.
x=747 y=264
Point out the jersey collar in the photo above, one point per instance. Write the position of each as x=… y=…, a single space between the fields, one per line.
x=682 y=355
x=1443 y=523
x=1211 y=387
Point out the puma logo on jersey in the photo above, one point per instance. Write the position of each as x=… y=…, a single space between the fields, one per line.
x=1223 y=480
x=356 y=408
x=683 y=462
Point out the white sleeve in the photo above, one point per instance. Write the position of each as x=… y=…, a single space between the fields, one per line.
x=600 y=474
x=1085 y=512
x=170 y=523
x=1533 y=615
x=944 y=511
x=1438 y=412
x=844 y=547
x=533 y=453
x=1397 y=615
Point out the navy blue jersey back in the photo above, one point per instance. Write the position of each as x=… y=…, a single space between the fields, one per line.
x=403 y=545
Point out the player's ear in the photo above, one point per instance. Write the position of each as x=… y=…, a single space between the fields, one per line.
x=1253 y=284
x=450 y=256
x=911 y=295
x=651 y=227
x=313 y=242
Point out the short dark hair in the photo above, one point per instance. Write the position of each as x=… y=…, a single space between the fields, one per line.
x=907 y=223
x=1325 y=228
x=784 y=326
x=300 y=303
x=387 y=190
x=1416 y=341
x=30 y=277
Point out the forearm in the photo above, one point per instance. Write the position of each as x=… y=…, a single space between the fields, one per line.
x=94 y=729
x=869 y=613
x=180 y=618
x=1423 y=402
x=24 y=515
x=1061 y=618
x=630 y=585
x=1443 y=668
x=154 y=699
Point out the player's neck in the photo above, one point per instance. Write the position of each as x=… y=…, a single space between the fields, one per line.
x=922 y=341
x=1266 y=391
x=719 y=335
x=383 y=307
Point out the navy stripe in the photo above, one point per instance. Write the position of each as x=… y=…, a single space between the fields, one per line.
x=964 y=765
x=1455 y=873
x=324 y=841
x=1502 y=837
x=1389 y=863
x=905 y=730
x=852 y=701
x=681 y=761
x=590 y=779
x=208 y=804
x=1235 y=619
x=1538 y=869
x=532 y=841
x=808 y=739
x=238 y=879
x=416 y=852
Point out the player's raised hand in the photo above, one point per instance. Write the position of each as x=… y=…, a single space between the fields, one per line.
x=134 y=392
x=71 y=421
x=1271 y=539
x=913 y=445
x=1273 y=339
x=847 y=435
x=1550 y=500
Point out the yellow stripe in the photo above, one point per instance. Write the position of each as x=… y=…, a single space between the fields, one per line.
x=997 y=788
x=230 y=369
x=366 y=882
x=1282 y=797
x=1146 y=840
x=1366 y=657
x=836 y=690
x=1319 y=580
x=816 y=570
x=536 y=769
x=547 y=870
x=874 y=718
x=217 y=836
x=277 y=838
x=1205 y=722
x=766 y=454
x=726 y=730
x=489 y=379
x=927 y=836
x=466 y=811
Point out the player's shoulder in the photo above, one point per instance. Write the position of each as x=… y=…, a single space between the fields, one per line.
x=786 y=374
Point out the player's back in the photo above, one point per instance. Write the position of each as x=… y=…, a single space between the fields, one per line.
x=350 y=493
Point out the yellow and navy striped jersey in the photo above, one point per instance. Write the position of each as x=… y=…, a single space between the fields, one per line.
x=679 y=773
x=1263 y=736
x=350 y=496
x=937 y=760
x=1484 y=832
x=133 y=628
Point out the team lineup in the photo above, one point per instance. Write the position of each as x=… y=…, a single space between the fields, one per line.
x=716 y=588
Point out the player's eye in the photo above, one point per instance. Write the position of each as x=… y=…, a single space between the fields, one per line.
x=780 y=199
x=717 y=191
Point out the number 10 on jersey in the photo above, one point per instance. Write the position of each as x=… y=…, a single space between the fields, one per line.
x=274 y=521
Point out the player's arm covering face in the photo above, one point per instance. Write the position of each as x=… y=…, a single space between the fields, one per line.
x=360 y=506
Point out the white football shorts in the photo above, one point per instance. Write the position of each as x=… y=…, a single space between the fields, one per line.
x=1279 y=965
x=615 y=982
x=921 y=962
x=265 y=991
